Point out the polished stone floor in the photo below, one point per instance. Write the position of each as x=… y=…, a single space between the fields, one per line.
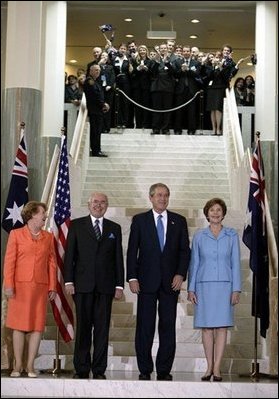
x=126 y=384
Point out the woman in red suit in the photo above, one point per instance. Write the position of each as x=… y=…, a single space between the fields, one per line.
x=30 y=277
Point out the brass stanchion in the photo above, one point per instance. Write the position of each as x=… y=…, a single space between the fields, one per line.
x=57 y=361
x=255 y=374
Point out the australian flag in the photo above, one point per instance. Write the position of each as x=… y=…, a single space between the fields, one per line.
x=18 y=191
x=106 y=28
x=255 y=238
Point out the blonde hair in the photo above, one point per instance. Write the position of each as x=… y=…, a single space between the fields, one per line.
x=30 y=209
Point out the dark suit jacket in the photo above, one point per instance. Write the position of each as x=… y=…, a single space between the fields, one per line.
x=146 y=262
x=92 y=264
x=94 y=96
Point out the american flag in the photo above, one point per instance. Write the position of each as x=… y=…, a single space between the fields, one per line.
x=62 y=305
x=18 y=191
x=255 y=238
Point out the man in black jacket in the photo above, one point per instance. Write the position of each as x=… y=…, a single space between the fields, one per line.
x=157 y=264
x=96 y=107
x=94 y=275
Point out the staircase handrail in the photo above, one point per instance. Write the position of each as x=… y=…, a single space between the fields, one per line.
x=50 y=184
x=236 y=132
x=78 y=132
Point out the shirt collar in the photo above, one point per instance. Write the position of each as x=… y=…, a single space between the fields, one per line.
x=164 y=214
x=93 y=219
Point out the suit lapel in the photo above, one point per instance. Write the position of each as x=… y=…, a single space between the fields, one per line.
x=170 y=227
x=152 y=228
x=89 y=227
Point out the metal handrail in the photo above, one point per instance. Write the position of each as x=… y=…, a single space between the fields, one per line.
x=79 y=129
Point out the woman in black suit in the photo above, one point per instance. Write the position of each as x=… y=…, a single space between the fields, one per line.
x=94 y=275
x=155 y=271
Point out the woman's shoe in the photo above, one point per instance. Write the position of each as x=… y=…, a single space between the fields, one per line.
x=15 y=374
x=31 y=374
x=217 y=379
x=206 y=377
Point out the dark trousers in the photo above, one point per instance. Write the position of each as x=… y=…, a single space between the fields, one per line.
x=96 y=126
x=161 y=100
x=145 y=330
x=186 y=116
x=93 y=311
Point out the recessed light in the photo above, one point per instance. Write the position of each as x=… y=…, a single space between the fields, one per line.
x=73 y=61
x=195 y=21
x=129 y=35
x=193 y=37
x=249 y=63
x=128 y=19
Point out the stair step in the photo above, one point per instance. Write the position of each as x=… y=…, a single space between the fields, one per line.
x=129 y=363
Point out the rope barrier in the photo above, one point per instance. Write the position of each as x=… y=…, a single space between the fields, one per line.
x=160 y=110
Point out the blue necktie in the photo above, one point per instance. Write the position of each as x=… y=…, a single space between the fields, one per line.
x=97 y=229
x=160 y=231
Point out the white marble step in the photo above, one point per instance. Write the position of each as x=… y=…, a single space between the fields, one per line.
x=174 y=203
x=129 y=363
x=115 y=185
x=160 y=153
x=135 y=166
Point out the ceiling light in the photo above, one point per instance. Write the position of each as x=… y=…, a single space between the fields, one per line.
x=193 y=37
x=129 y=35
x=195 y=21
x=73 y=61
x=249 y=63
x=128 y=19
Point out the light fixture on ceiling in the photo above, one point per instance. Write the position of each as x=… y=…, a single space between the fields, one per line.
x=193 y=37
x=160 y=34
x=195 y=21
x=128 y=20
x=129 y=35
x=73 y=61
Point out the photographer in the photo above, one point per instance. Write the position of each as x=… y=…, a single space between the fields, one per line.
x=250 y=89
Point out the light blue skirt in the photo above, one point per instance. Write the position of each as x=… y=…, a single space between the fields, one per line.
x=214 y=307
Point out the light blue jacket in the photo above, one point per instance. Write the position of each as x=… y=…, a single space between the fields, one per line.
x=215 y=259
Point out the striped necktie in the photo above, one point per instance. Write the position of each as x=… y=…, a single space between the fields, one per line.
x=97 y=229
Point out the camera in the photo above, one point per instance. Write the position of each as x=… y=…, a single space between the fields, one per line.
x=251 y=86
x=254 y=59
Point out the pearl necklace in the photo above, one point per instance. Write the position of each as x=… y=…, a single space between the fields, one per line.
x=34 y=234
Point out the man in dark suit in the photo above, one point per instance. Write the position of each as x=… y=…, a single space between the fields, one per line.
x=156 y=269
x=96 y=107
x=94 y=275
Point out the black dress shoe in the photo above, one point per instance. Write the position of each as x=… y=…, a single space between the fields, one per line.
x=206 y=377
x=191 y=132
x=145 y=377
x=155 y=131
x=178 y=132
x=166 y=131
x=81 y=376
x=99 y=377
x=164 y=377
x=217 y=379
x=99 y=154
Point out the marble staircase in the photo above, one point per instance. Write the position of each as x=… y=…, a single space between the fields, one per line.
x=195 y=168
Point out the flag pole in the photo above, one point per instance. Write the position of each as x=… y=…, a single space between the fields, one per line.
x=57 y=361
x=255 y=374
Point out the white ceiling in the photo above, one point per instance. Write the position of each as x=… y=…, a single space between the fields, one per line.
x=231 y=22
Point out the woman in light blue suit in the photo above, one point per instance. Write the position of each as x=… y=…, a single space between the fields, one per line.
x=214 y=283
